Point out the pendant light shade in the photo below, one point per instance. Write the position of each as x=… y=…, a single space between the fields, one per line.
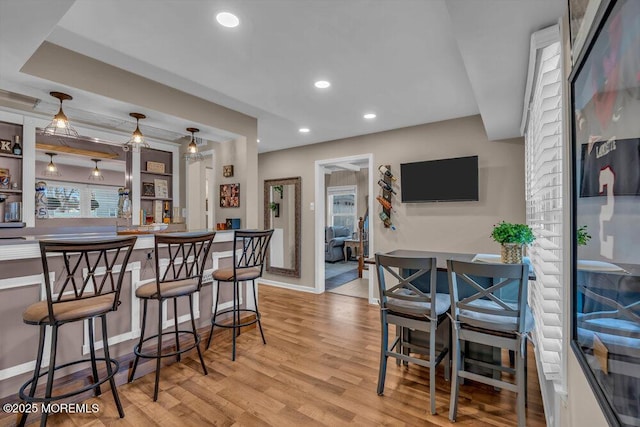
x=192 y=153
x=136 y=142
x=96 y=174
x=60 y=126
x=51 y=169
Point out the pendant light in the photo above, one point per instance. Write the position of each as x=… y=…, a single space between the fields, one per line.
x=136 y=142
x=192 y=153
x=51 y=170
x=60 y=126
x=96 y=174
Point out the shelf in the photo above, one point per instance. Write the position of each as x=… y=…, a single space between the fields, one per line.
x=156 y=198
x=12 y=224
x=157 y=173
x=10 y=156
x=8 y=191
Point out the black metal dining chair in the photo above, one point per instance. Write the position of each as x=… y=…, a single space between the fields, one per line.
x=187 y=254
x=483 y=315
x=83 y=280
x=404 y=304
x=249 y=255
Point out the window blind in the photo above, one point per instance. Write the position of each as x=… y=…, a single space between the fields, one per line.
x=543 y=182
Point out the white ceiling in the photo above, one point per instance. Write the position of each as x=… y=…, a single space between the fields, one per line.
x=409 y=61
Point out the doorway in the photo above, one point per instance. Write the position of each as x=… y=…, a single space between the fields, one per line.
x=342 y=197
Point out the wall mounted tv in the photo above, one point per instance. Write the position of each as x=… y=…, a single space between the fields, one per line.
x=445 y=180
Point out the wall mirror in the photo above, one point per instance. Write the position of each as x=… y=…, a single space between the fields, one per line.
x=282 y=213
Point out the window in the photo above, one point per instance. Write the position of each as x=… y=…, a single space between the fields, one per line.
x=342 y=206
x=544 y=192
x=74 y=200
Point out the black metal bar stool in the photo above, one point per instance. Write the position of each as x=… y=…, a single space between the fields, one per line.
x=88 y=279
x=249 y=252
x=187 y=255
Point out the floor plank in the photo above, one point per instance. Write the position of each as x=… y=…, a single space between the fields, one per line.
x=319 y=367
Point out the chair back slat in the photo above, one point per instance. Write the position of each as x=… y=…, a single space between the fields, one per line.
x=483 y=284
x=250 y=249
x=187 y=256
x=82 y=262
x=405 y=271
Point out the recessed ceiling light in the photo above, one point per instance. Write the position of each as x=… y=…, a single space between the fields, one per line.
x=369 y=116
x=322 y=84
x=227 y=19
x=303 y=130
x=258 y=140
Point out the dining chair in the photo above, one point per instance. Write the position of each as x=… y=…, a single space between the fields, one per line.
x=249 y=254
x=481 y=314
x=187 y=254
x=82 y=280
x=410 y=308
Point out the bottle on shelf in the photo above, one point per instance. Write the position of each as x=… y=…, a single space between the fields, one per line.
x=387 y=221
x=17 y=148
x=386 y=172
x=386 y=186
x=126 y=204
x=120 y=201
x=166 y=213
x=385 y=203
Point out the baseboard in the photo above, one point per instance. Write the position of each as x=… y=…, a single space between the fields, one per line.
x=284 y=285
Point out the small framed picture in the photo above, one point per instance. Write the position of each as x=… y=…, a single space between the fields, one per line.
x=227 y=171
x=230 y=195
x=148 y=189
x=155 y=167
x=161 y=188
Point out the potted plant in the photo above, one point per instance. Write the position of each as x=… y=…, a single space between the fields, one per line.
x=512 y=237
x=582 y=235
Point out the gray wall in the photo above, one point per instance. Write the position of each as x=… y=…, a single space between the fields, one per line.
x=453 y=227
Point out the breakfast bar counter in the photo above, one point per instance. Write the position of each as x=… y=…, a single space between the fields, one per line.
x=22 y=283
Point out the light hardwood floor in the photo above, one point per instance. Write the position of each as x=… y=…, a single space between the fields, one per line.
x=319 y=367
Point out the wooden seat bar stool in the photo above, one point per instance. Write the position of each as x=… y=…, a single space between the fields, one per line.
x=249 y=254
x=187 y=254
x=82 y=279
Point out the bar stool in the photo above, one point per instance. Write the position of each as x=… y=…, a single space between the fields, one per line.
x=249 y=252
x=88 y=279
x=187 y=255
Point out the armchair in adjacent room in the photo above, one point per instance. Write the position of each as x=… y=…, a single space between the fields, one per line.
x=334 y=238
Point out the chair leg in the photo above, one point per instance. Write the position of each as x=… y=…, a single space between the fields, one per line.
x=112 y=381
x=52 y=368
x=255 y=300
x=215 y=313
x=384 y=342
x=455 y=355
x=195 y=334
x=236 y=314
x=175 y=323
x=139 y=347
x=92 y=351
x=432 y=367
x=158 y=358
x=36 y=372
x=447 y=358
x=399 y=339
x=520 y=381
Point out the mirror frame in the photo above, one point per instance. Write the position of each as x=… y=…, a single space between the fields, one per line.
x=297 y=183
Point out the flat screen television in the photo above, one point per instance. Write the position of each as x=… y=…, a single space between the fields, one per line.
x=445 y=180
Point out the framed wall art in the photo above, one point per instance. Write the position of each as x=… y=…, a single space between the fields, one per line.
x=227 y=171
x=230 y=195
x=605 y=308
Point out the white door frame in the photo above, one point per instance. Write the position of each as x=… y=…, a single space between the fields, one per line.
x=320 y=222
